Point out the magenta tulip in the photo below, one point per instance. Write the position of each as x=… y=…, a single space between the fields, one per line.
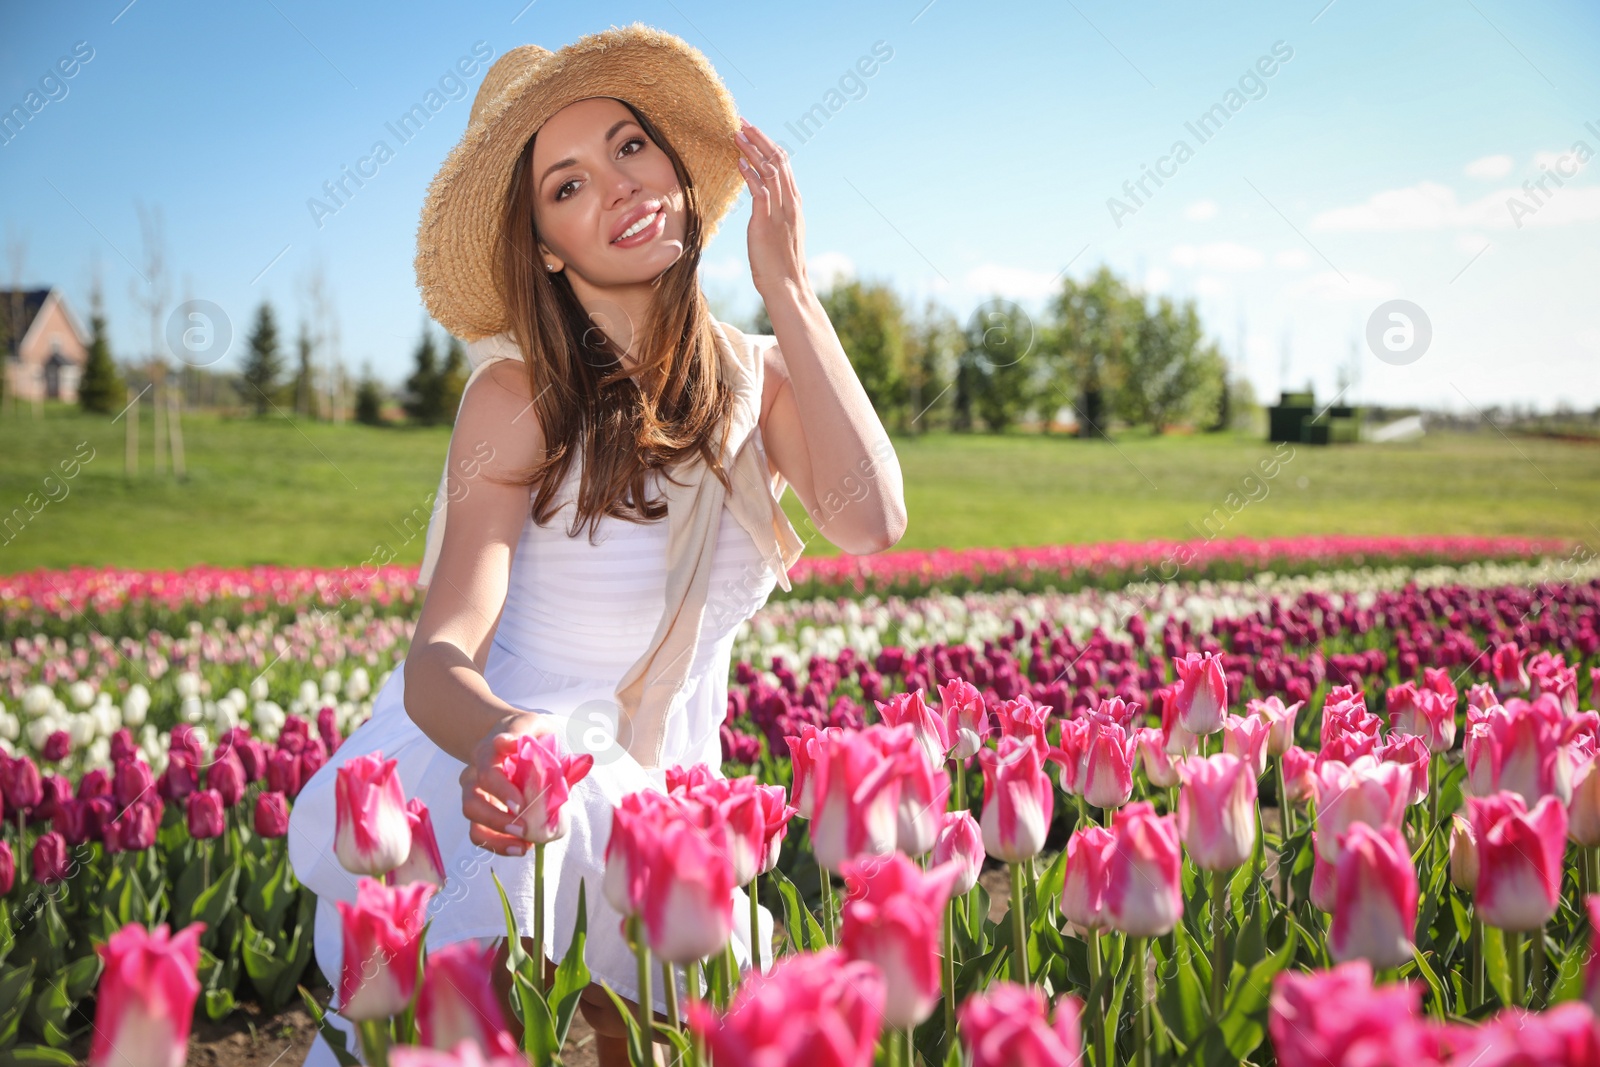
x=145 y=1004
x=1520 y=857
x=205 y=815
x=458 y=1002
x=1375 y=908
x=272 y=815
x=1144 y=892
x=51 y=863
x=960 y=840
x=1202 y=693
x=1017 y=800
x=1086 y=877
x=855 y=787
x=813 y=1009
x=966 y=717
x=1217 y=810
x=8 y=868
x=372 y=836
x=1010 y=1025
x=893 y=917
x=382 y=934
x=927 y=726
x=687 y=890
x=423 y=863
x=543 y=775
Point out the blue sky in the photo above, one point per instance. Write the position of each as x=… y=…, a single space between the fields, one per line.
x=1377 y=161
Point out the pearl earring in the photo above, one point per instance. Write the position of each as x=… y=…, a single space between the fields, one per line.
x=549 y=266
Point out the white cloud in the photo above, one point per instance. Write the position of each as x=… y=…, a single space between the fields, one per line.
x=1219 y=255
x=1201 y=210
x=1211 y=285
x=1017 y=283
x=1432 y=206
x=723 y=270
x=1471 y=243
x=1157 y=280
x=823 y=266
x=1292 y=259
x=1328 y=285
x=1490 y=167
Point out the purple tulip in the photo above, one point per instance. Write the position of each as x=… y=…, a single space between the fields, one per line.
x=50 y=863
x=58 y=746
x=206 y=819
x=272 y=815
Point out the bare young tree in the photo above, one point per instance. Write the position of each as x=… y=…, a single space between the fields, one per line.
x=152 y=298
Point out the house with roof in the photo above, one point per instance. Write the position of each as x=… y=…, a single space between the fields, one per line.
x=46 y=348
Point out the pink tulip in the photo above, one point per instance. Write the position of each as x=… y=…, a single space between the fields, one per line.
x=1583 y=810
x=1299 y=775
x=961 y=841
x=893 y=917
x=272 y=815
x=1009 y=1025
x=743 y=819
x=382 y=934
x=1217 y=810
x=465 y=1054
x=775 y=815
x=1337 y=1017
x=206 y=819
x=1364 y=790
x=927 y=726
x=1520 y=857
x=131 y=781
x=856 y=797
x=226 y=776
x=924 y=795
x=1375 y=912
x=1280 y=719
x=1520 y=747
x=1086 y=877
x=145 y=1004
x=1425 y=712
x=1017 y=800
x=814 y=1009
x=687 y=890
x=1509 y=676
x=1159 y=769
x=458 y=1002
x=372 y=836
x=966 y=717
x=1411 y=752
x=1180 y=742
x=8 y=869
x=1324 y=880
x=1024 y=718
x=423 y=863
x=802 y=757
x=1144 y=893
x=544 y=776
x=1202 y=693
x=1246 y=736
x=1108 y=766
x=628 y=852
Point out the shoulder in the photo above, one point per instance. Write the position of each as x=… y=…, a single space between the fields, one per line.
x=497 y=411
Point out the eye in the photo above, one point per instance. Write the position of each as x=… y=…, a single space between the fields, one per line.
x=640 y=141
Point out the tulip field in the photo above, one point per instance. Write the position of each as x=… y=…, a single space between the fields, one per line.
x=1309 y=801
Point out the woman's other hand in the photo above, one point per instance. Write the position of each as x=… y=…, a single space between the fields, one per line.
x=777 y=228
x=488 y=799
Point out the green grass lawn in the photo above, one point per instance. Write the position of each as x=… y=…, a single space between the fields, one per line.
x=304 y=493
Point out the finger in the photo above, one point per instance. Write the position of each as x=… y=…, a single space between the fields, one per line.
x=493 y=781
x=769 y=150
x=752 y=181
x=495 y=842
x=479 y=809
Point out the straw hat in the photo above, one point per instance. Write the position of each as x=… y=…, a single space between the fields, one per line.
x=662 y=75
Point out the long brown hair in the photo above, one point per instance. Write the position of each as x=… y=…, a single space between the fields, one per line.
x=583 y=395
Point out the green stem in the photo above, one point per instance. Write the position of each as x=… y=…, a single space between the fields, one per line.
x=1435 y=766
x=1019 y=929
x=697 y=1049
x=641 y=951
x=1097 y=1018
x=958 y=776
x=670 y=990
x=1519 y=994
x=827 y=905
x=374 y=1034
x=1476 y=949
x=1141 y=1005
x=1217 y=969
x=730 y=965
x=1285 y=809
x=947 y=970
x=538 y=911
x=1540 y=990
x=1083 y=811
x=755 y=925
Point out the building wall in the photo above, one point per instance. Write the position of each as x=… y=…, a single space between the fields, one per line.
x=51 y=333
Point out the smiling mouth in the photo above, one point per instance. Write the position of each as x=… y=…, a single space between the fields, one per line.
x=643 y=224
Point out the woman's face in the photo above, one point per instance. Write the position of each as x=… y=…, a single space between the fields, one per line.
x=596 y=173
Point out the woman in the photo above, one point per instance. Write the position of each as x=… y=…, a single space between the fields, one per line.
x=563 y=237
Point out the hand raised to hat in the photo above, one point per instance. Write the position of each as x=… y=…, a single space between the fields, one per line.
x=777 y=227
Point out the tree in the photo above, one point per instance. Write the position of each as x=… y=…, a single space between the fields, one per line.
x=369 y=399
x=424 y=400
x=305 y=385
x=1094 y=327
x=871 y=327
x=1172 y=375
x=999 y=339
x=933 y=344
x=453 y=379
x=100 y=390
x=263 y=363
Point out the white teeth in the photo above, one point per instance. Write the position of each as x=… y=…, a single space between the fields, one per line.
x=648 y=220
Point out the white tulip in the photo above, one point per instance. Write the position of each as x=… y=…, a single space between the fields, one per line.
x=331 y=683
x=37 y=700
x=82 y=693
x=188 y=684
x=258 y=688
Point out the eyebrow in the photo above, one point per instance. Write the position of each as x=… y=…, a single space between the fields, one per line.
x=612 y=132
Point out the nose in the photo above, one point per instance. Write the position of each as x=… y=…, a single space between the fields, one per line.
x=622 y=185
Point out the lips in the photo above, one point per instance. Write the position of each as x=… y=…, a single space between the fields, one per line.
x=649 y=207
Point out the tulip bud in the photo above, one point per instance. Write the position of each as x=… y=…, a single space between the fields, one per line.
x=423 y=863
x=1017 y=800
x=145 y=1004
x=544 y=775
x=1202 y=693
x=372 y=836
x=227 y=777
x=1463 y=854
x=960 y=840
x=1375 y=912
x=688 y=894
x=1086 y=877
x=382 y=934
x=966 y=717
x=893 y=917
x=1144 y=892
x=8 y=869
x=1217 y=810
x=1009 y=1025
x=458 y=1002
x=131 y=781
x=206 y=819
x=50 y=862
x=272 y=815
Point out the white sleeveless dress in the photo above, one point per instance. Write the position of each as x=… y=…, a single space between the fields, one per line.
x=576 y=616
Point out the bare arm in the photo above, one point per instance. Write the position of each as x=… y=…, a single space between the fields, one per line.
x=446 y=694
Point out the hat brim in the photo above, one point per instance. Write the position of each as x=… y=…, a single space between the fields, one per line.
x=667 y=79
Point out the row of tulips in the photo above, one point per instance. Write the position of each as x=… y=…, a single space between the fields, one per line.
x=129 y=603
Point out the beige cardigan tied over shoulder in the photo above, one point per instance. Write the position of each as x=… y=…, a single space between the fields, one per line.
x=646 y=691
